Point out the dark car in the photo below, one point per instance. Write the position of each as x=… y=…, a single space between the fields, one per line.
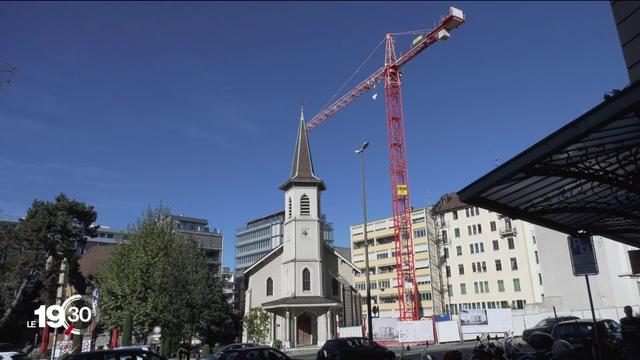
x=579 y=333
x=354 y=348
x=545 y=326
x=254 y=353
x=220 y=351
x=118 y=354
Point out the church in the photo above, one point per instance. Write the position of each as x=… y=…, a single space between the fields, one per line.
x=304 y=284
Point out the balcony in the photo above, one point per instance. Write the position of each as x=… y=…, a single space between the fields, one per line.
x=508 y=231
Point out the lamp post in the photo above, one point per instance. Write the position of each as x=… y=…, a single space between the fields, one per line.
x=366 y=244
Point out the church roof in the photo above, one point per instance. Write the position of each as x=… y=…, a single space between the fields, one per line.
x=302 y=165
x=300 y=301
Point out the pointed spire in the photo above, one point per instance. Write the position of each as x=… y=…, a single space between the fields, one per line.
x=302 y=165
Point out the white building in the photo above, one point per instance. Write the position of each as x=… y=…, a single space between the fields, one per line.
x=304 y=283
x=567 y=292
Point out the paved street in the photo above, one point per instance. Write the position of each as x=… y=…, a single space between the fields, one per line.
x=435 y=350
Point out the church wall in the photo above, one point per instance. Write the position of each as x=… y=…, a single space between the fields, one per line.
x=256 y=293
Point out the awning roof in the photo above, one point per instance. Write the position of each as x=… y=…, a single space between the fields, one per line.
x=583 y=177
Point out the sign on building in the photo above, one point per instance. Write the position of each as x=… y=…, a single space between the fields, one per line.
x=583 y=255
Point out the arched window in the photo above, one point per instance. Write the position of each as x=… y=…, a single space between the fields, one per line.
x=290 y=207
x=305 y=208
x=269 y=287
x=306 y=280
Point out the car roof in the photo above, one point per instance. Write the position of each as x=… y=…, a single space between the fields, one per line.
x=114 y=351
x=581 y=321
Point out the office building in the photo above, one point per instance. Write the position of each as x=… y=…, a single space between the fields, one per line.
x=198 y=231
x=263 y=234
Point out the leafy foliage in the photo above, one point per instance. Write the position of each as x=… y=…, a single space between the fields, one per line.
x=50 y=232
x=256 y=323
x=160 y=278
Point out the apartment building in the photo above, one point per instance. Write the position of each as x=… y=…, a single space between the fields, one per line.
x=210 y=240
x=492 y=260
x=382 y=263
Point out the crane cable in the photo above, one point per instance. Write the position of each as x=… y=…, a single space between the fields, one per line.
x=355 y=72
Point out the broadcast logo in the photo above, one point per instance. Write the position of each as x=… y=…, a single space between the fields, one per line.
x=75 y=315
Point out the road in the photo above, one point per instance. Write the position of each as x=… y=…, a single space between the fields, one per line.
x=437 y=351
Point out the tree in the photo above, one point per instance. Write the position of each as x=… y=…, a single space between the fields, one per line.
x=50 y=232
x=256 y=323
x=160 y=278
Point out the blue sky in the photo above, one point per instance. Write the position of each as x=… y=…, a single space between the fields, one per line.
x=196 y=104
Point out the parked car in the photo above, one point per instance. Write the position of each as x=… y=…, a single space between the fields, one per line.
x=546 y=326
x=354 y=348
x=254 y=353
x=579 y=333
x=118 y=354
x=218 y=353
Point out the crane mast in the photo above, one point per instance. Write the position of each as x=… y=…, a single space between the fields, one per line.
x=403 y=236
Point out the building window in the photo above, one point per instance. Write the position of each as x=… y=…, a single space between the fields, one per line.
x=475 y=229
x=469 y=229
x=493 y=226
x=305 y=207
x=514 y=264
x=496 y=245
x=537 y=258
x=498 y=265
x=479 y=229
x=511 y=244
x=446 y=253
x=290 y=208
x=486 y=287
x=306 y=280
x=484 y=266
x=444 y=236
x=455 y=214
x=384 y=284
x=471 y=248
x=459 y=250
x=383 y=255
x=466 y=211
x=501 y=285
x=473 y=267
x=481 y=247
x=461 y=269
x=419 y=233
x=335 y=287
x=540 y=278
x=448 y=270
x=475 y=287
x=269 y=287
x=476 y=247
x=516 y=285
x=456 y=232
x=463 y=289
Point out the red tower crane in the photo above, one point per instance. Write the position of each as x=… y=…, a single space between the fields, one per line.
x=390 y=72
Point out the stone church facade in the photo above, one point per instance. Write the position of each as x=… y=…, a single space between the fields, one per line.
x=304 y=284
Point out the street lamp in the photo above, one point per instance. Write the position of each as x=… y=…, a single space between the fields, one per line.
x=366 y=244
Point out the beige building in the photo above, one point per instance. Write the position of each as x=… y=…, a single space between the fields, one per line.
x=382 y=263
x=304 y=283
x=492 y=260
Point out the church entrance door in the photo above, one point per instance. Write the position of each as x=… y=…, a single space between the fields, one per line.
x=304 y=330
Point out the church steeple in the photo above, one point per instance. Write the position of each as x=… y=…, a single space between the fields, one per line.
x=302 y=165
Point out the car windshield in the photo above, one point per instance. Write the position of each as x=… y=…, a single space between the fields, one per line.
x=574 y=329
x=545 y=322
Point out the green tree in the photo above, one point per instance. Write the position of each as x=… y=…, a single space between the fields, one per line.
x=160 y=278
x=50 y=232
x=256 y=323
